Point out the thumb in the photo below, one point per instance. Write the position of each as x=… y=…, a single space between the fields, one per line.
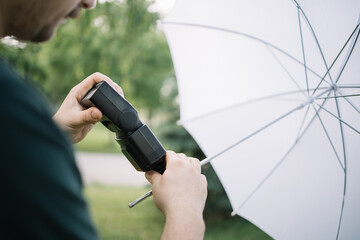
x=91 y=115
x=151 y=176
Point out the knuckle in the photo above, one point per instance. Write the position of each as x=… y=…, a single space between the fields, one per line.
x=84 y=117
x=204 y=178
x=204 y=182
x=194 y=160
x=170 y=155
x=181 y=155
x=73 y=90
x=179 y=161
x=98 y=75
x=170 y=152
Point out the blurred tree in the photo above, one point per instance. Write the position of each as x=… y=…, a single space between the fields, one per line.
x=121 y=40
x=118 y=38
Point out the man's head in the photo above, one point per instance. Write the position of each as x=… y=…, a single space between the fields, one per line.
x=37 y=20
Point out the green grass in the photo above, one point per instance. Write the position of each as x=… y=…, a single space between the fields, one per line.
x=116 y=221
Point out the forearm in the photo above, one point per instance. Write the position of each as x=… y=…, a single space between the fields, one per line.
x=180 y=193
x=184 y=227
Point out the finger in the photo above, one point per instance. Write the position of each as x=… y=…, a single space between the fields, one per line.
x=196 y=163
x=93 y=79
x=204 y=183
x=182 y=155
x=83 y=87
x=91 y=115
x=152 y=176
x=203 y=179
x=169 y=155
x=170 y=158
x=119 y=89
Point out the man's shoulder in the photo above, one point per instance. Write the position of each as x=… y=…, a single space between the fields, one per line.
x=24 y=111
x=8 y=77
x=15 y=91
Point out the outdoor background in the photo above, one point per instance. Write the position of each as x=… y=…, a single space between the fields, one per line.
x=123 y=40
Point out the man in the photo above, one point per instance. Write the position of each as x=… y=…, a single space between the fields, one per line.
x=41 y=189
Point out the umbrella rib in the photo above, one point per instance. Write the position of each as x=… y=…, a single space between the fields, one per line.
x=328 y=136
x=348 y=86
x=263 y=128
x=344 y=96
x=349 y=54
x=242 y=34
x=277 y=165
x=290 y=99
x=241 y=104
x=283 y=67
x=345 y=164
x=336 y=58
x=351 y=104
x=357 y=131
x=303 y=121
x=348 y=100
x=314 y=35
x=207 y=160
x=303 y=51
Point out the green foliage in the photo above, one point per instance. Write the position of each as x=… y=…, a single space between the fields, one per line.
x=119 y=39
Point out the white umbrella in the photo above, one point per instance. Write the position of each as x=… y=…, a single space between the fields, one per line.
x=273 y=86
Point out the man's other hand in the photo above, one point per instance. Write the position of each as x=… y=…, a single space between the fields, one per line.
x=72 y=117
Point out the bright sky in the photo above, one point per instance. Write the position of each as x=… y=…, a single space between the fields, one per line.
x=163 y=6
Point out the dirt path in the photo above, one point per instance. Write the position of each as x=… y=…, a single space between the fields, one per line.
x=111 y=169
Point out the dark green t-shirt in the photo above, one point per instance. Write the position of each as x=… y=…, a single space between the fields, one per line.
x=40 y=185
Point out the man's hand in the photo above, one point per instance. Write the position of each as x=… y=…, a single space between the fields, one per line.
x=72 y=117
x=180 y=193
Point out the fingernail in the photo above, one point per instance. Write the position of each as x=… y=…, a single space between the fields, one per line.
x=94 y=115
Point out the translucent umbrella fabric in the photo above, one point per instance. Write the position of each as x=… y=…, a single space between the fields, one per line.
x=274 y=86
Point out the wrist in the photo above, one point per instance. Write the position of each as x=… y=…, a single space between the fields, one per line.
x=182 y=226
x=188 y=220
x=184 y=213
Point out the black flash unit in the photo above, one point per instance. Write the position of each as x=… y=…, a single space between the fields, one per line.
x=138 y=143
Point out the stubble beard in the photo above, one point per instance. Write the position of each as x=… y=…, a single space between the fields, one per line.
x=48 y=31
x=39 y=32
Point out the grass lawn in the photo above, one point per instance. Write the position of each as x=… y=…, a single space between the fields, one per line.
x=116 y=221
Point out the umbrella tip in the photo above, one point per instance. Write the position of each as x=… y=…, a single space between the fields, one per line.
x=233 y=213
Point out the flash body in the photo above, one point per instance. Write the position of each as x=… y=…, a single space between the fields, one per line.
x=137 y=142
